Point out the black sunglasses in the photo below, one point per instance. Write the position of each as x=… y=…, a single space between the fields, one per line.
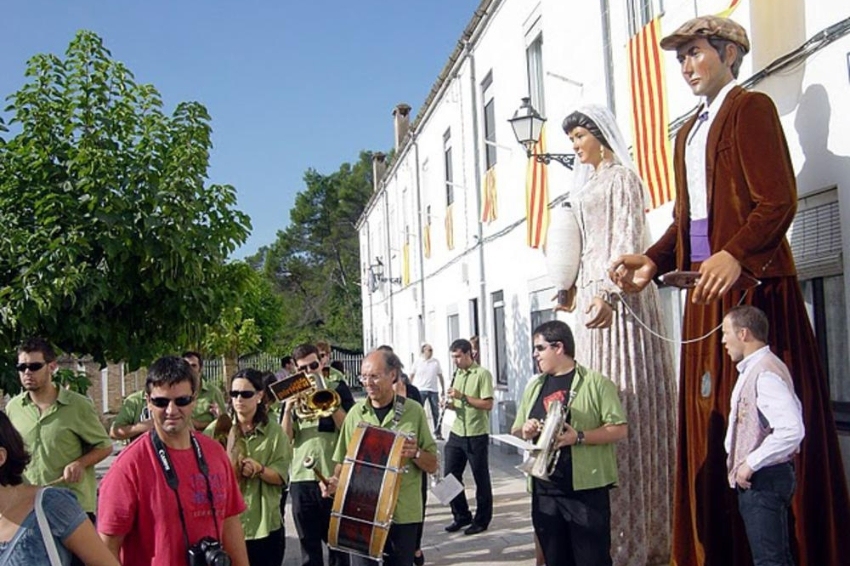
x=312 y=366
x=244 y=394
x=163 y=402
x=32 y=366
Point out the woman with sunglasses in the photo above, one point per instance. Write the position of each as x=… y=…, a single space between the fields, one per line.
x=21 y=539
x=261 y=454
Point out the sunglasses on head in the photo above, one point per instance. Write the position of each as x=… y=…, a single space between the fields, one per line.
x=163 y=402
x=32 y=366
x=312 y=366
x=244 y=394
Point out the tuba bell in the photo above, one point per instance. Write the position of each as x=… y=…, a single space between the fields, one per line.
x=317 y=402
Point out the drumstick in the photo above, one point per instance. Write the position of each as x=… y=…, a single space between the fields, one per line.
x=310 y=464
x=60 y=479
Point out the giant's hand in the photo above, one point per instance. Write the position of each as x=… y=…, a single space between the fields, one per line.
x=600 y=314
x=717 y=275
x=632 y=272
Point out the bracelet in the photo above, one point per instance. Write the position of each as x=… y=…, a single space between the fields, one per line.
x=579 y=437
x=418 y=453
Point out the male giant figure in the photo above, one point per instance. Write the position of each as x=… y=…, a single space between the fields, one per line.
x=736 y=198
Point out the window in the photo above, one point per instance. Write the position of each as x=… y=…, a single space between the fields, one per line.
x=447 y=153
x=489 y=121
x=815 y=239
x=453 y=327
x=537 y=318
x=501 y=347
x=473 y=317
x=534 y=59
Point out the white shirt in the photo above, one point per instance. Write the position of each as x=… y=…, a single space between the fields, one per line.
x=426 y=374
x=779 y=406
x=695 y=152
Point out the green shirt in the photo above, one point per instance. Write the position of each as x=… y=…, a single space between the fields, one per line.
x=410 y=507
x=62 y=434
x=208 y=395
x=269 y=446
x=596 y=403
x=474 y=381
x=131 y=410
x=308 y=441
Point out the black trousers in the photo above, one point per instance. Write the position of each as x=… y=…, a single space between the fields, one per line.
x=473 y=449
x=399 y=550
x=574 y=529
x=312 y=514
x=266 y=551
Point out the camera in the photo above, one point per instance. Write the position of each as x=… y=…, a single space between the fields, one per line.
x=208 y=552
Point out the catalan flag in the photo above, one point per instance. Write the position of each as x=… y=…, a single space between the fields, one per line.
x=405 y=264
x=728 y=11
x=426 y=239
x=537 y=196
x=650 y=123
x=450 y=233
x=490 y=210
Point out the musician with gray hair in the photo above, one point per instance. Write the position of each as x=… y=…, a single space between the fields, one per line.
x=571 y=509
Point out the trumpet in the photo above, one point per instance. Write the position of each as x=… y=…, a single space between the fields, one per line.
x=315 y=400
x=544 y=456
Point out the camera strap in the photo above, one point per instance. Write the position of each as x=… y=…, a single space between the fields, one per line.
x=173 y=482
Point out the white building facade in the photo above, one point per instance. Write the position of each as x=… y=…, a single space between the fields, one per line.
x=481 y=278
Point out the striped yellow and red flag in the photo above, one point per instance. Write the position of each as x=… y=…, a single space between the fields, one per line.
x=450 y=236
x=426 y=239
x=537 y=196
x=728 y=11
x=405 y=264
x=490 y=210
x=650 y=122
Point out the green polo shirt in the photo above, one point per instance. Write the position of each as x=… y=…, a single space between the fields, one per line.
x=269 y=446
x=131 y=410
x=309 y=441
x=474 y=381
x=63 y=433
x=596 y=403
x=335 y=375
x=208 y=395
x=409 y=507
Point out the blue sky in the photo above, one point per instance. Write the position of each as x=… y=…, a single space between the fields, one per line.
x=289 y=85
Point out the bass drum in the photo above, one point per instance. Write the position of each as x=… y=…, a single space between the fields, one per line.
x=367 y=493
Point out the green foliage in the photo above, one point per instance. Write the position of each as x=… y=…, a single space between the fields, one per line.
x=112 y=244
x=74 y=380
x=314 y=263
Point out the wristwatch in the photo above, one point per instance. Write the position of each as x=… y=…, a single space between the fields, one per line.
x=579 y=437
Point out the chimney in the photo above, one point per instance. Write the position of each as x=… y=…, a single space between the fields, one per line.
x=379 y=169
x=401 y=121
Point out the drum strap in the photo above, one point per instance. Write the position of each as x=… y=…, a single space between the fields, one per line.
x=398 y=411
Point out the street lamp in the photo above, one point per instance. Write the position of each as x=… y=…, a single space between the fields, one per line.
x=527 y=124
x=377 y=271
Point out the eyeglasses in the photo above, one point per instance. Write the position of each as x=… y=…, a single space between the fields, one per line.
x=32 y=366
x=370 y=378
x=244 y=394
x=312 y=366
x=163 y=402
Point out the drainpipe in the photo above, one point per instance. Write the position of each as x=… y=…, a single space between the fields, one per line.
x=421 y=325
x=608 y=55
x=476 y=153
x=388 y=264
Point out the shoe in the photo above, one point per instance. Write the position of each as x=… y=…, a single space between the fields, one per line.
x=456 y=525
x=419 y=560
x=475 y=529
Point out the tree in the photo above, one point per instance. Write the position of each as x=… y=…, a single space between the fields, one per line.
x=113 y=244
x=315 y=263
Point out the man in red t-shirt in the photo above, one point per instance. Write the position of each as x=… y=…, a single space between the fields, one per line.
x=157 y=500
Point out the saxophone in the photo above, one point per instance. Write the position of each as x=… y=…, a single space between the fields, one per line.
x=544 y=456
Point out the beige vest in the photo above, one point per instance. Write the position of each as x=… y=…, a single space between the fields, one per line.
x=750 y=428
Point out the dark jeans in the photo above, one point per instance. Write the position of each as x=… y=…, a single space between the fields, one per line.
x=764 y=508
x=401 y=544
x=574 y=530
x=312 y=514
x=473 y=449
x=267 y=551
x=432 y=398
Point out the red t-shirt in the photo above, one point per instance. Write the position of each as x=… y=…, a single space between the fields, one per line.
x=135 y=501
